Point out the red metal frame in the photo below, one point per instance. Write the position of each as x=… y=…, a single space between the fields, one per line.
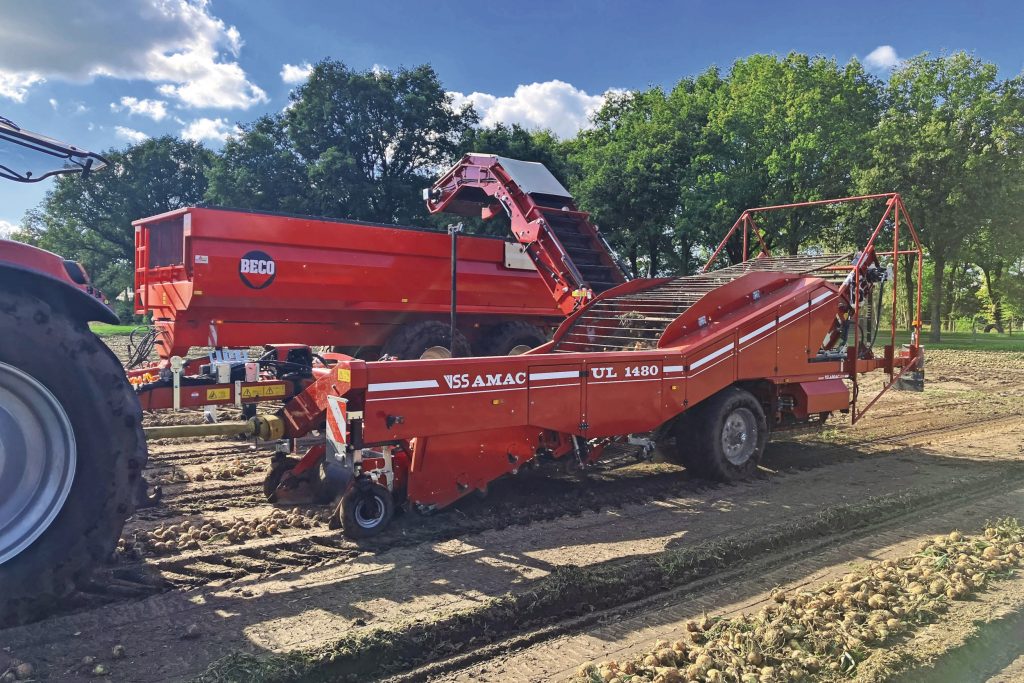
x=480 y=185
x=851 y=303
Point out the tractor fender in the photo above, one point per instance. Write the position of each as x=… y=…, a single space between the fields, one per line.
x=52 y=278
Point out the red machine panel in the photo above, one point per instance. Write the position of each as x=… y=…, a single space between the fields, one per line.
x=756 y=345
x=709 y=368
x=556 y=397
x=620 y=393
x=792 y=336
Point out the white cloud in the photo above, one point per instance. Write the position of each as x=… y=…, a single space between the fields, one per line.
x=154 y=109
x=6 y=228
x=293 y=74
x=175 y=43
x=555 y=105
x=212 y=130
x=15 y=86
x=882 y=58
x=130 y=134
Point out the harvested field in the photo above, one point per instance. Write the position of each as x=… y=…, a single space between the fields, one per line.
x=549 y=571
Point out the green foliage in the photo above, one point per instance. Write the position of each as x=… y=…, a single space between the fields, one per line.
x=370 y=141
x=787 y=130
x=947 y=140
x=629 y=165
x=89 y=218
x=260 y=170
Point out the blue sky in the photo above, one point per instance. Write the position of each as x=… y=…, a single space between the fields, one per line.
x=101 y=74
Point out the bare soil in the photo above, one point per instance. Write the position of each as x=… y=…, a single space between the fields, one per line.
x=473 y=592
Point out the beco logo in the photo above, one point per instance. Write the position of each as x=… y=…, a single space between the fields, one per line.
x=257 y=269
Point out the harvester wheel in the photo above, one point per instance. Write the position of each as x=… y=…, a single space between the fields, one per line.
x=366 y=510
x=729 y=435
x=512 y=339
x=278 y=466
x=412 y=340
x=71 y=453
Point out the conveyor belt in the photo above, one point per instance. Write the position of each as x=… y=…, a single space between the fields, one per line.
x=633 y=322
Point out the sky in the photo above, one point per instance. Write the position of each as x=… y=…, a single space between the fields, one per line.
x=103 y=74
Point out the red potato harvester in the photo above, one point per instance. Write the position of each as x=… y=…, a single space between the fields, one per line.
x=707 y=365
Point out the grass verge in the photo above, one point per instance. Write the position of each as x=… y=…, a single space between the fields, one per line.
x=965 y=341
x=105 y=330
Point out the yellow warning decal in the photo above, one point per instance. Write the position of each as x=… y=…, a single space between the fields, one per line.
x=218 y=394
x=263 y=392
x=344 y=375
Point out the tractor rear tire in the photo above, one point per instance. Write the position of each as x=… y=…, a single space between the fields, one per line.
x=723 y=438
x=74 y=373
x=512 y=338
x=413 y=339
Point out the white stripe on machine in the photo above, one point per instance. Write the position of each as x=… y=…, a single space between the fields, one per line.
x=710 y=357
x=398 y=386
x=565 y=374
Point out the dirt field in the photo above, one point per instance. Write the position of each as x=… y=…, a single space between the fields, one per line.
x=551 y=571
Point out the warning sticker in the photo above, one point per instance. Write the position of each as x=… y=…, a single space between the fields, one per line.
x=344 y=375
x=263 y=392
x=218 y=394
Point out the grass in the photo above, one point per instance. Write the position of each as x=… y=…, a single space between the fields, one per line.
x=105 y=330
x=966 y=341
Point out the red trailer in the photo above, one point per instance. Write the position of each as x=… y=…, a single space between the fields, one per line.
x=227 y=278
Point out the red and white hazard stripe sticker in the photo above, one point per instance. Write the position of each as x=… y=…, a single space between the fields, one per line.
x=337 y=425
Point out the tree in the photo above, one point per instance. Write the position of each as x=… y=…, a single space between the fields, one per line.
x=370 y=140
x=945 y=141
x=89 y=218
x=628 y=169
x=259 y=169
x=782 y=131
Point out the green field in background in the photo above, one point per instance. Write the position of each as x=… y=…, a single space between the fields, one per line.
x=104 y=330
x=965 y=341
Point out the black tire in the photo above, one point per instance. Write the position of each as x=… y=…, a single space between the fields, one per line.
x=502 y=339
x=87 y=380
x=676 y=442
x=412 y=339
x=701 y=434
x=366 y=510
x=278 y=467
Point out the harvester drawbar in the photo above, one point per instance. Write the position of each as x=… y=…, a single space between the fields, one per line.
x=707 y=365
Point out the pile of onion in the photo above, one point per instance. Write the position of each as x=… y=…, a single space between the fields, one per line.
x=825 y=633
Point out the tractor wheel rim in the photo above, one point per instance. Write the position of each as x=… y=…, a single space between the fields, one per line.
x=739 y=436
x=369 y=512
x=37 y=460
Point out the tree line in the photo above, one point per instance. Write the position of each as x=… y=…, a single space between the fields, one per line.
x=664 y=172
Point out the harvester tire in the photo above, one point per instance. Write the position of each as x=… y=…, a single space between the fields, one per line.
x=512 y=338
x=680 y=450
x=85 y=382
x=278 y=466
x=366 y=509
x=413 y=339
x=728 y=437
